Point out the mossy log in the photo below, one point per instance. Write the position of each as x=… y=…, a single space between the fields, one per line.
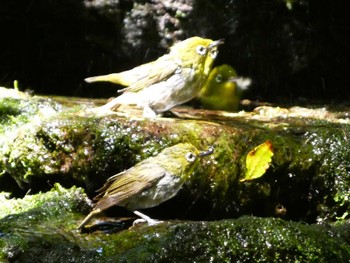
x=48 y=140
x=42 y=228
x=43 y=142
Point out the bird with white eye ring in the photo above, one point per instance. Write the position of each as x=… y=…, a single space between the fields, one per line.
x=223 y=89
x=171 y=80
x=148 y=183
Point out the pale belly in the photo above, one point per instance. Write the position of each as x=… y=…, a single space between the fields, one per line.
x=174 y=91
x=165 y=189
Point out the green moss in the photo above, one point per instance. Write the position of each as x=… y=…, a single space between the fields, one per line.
x=17 y=108
x=19 y=114
x=330 y=153
x=83 y=148
x=42 y=218
x=51 y=204
x=42 y=228
x=246 y=239
x=308 y=174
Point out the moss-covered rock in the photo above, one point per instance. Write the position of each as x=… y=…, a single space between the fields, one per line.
x=247 y=239
x=45 y=219
x=41 y=228
x=307 y=181
x=308 y=176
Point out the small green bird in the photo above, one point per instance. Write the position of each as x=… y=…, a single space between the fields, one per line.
x=172 y=79
x=223 y=89
x=150 y=182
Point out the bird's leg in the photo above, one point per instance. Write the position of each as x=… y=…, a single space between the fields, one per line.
x=149 y=113
x=109 y=107
x=145 y=218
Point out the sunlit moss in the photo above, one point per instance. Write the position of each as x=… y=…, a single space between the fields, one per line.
x=44 y=224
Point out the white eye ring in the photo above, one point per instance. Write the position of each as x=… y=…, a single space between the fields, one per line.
x=201 y=50
x=218 y=78
x=214 y=53
x=190 y=157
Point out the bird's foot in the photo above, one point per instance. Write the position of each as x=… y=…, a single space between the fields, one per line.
x=145 y=219
x=148 y=113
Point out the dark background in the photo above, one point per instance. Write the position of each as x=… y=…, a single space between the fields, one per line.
x=294 y=56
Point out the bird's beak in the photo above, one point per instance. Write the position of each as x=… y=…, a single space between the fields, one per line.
x=233 y=79
x=207 y=152
x=216 y=43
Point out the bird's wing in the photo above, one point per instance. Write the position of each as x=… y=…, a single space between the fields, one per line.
x=128 y=183
x=152 y=73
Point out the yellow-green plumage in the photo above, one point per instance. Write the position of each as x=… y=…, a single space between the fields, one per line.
x=172 y=79
x=223 y=89
x=148 y=183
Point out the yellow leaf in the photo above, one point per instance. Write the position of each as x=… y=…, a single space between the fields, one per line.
x=258 y=161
